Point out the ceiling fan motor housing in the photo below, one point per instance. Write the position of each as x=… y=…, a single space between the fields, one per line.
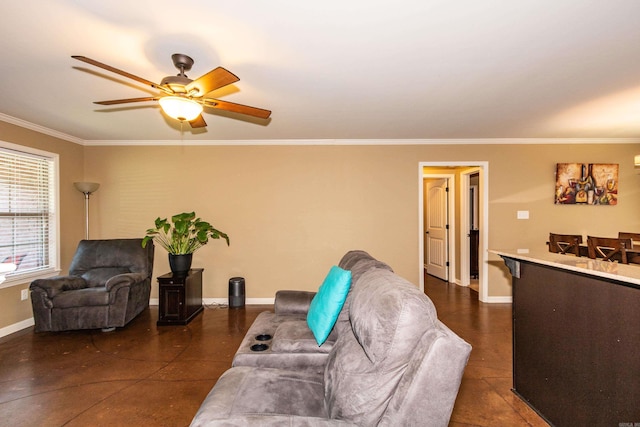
x=176 y=83
x=182 y=62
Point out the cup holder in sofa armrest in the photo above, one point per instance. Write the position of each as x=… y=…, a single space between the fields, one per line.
x=259 y=347
x=263 y=337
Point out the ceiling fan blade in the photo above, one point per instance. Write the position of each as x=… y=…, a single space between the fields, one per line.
x=124 y=101
x=214 y=79
x=237 y=108
x=122 y=73
x=198 y=122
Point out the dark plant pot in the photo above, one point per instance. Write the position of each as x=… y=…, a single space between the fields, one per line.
x=180 y=264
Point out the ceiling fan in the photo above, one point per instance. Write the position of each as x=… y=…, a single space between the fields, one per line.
x=181 y=97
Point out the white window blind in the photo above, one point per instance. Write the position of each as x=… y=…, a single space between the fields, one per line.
x=27 y=212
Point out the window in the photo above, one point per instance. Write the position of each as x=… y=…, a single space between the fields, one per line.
x=28 y=213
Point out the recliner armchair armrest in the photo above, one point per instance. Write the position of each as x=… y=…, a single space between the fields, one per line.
x=55 y=285
x=125 y=279
x=293 y=302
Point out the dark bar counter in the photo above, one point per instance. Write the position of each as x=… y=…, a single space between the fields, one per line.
x=576 y=338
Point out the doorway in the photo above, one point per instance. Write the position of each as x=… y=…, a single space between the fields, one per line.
x=461 y=217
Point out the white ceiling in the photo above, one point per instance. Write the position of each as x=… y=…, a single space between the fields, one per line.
x=343 y=70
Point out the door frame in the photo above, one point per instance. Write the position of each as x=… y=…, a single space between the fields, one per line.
x=483 y=197
x=465 y=221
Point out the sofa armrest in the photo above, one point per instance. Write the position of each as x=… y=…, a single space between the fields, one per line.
x=293 y=302
x=52 y=286
x=125 y=279
x=436 y=369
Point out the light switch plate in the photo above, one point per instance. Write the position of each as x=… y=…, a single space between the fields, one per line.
x=523 y=215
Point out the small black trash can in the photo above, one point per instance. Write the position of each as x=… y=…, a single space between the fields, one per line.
x=236 y=292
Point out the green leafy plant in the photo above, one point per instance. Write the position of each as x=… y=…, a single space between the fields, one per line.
x=184 y=234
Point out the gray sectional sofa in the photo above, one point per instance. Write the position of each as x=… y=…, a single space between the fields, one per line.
x=389 y=361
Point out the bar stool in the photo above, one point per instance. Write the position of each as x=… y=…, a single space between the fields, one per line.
x=608 y=247
x=565 y=243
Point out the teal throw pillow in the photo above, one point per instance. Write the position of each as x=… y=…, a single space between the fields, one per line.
x=327 y=303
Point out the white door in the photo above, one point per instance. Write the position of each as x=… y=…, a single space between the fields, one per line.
x=436 y=229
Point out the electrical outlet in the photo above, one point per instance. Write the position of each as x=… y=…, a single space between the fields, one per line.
x=24 y=294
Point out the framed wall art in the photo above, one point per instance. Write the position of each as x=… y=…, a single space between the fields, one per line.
x=586 y=184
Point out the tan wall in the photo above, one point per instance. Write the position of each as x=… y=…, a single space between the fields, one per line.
x=12 y=309
x=292 y=211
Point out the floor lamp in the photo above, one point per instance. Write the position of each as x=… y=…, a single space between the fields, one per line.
x=86 y=188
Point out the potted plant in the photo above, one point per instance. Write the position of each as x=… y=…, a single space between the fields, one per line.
x=181 y=237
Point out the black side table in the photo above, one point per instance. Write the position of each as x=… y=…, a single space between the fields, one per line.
x=180 y=297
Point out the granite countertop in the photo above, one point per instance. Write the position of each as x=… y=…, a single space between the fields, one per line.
x=629 y=273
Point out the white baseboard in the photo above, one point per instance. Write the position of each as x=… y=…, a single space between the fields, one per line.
x=8 y=330
x=499 y=300
x=225 y=301
x=248 y=301
x=258 y=301
x=459 y=283
x=490 y=300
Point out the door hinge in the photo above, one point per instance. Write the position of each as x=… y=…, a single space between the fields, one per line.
x=446 y=189
x=447 y=263
x=446 y=227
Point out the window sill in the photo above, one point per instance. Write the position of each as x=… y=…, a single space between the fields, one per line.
x=28 y=277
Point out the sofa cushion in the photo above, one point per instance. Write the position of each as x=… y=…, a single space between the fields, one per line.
x=389 y=316
x=327 y=303
x=86 y=297
x=247 y=390
x=378 y=315
x=294 y=336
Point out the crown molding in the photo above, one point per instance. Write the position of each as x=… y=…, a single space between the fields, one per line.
x=41 y=129
x=423 y=141
x=398 y=142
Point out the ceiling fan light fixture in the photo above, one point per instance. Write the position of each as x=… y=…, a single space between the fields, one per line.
x=180 y=108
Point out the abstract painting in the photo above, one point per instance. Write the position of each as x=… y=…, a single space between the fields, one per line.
x=586 y=184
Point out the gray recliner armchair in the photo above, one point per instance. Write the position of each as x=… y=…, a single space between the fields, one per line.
x=109 y=284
